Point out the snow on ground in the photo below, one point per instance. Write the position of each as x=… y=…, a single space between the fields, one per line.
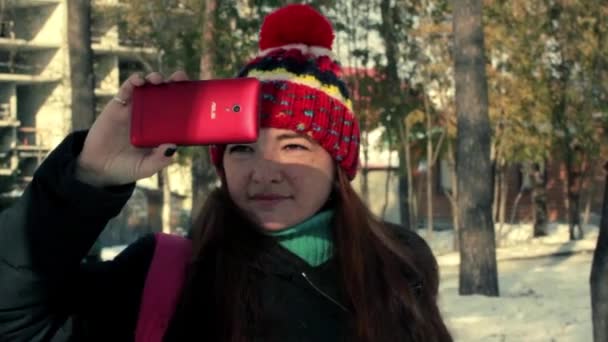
x=541 y=300
x=515 y=235
x=544 y=290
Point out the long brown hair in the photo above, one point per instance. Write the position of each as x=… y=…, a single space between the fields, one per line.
x=390 y=287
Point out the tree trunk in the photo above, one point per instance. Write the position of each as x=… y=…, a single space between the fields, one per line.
x=388 y=35
x=362 y=106
x=575 y=217
x=587 y=183
x=203 y=173
x=567 y=143
x=404 y=196
x=515 y=208
x=478 y=271
x=203 y=179
x=453 y=196
x=394 y=103
x=429 y=169
x=405 y=186
x=504 y=194
x=411 y=199
x=539 y=200
x=165 y=187
x=498 y=166
x=163 y=182
x=496 y=192
x=82 y=77
x=599 y=269
x=388 y=174
x=599 y=275
x=587 y=212
x=208 y=40
x=573 y=181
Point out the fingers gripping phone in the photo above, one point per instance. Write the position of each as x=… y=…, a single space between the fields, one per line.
x=187 y=113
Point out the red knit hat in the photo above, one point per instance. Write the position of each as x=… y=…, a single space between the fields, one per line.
x=301 y=86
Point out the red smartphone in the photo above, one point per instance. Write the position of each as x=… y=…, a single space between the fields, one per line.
x=220 y=111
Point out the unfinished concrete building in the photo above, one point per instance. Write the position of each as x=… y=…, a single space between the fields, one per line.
x=35 y=98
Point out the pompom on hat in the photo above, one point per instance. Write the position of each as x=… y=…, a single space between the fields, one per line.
x=301 y=86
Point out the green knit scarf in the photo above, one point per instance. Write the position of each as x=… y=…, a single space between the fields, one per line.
x=311 y=240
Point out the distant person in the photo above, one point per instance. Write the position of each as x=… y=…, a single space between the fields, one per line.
x=284 y=250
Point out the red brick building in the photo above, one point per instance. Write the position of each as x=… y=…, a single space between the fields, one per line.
x=591 y=194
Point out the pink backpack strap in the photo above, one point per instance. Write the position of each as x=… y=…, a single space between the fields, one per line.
x=163 y=286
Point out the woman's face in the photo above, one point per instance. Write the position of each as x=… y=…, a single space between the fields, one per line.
x=281 y=180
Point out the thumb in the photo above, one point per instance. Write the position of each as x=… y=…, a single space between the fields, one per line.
x=160 y=158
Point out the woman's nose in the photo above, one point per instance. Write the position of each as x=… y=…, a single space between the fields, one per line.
x=267 y=169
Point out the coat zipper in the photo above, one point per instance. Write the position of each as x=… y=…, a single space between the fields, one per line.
x=323 y=293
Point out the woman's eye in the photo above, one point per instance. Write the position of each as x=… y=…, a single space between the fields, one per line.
x=240 y=149
x=295 y=147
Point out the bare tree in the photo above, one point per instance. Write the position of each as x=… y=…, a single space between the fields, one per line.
x=539 y=196
x=82 y=76
x=452 y=194
x=407 y=185
x=202 y=169
x=396 y=99
x=478 y=271
x=432 y=155
x=599 y=275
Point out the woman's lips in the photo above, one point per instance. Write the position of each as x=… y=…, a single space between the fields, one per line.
x=268 y=200
x=268 y=197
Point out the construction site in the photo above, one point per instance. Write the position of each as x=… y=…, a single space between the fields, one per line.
x=35 y=96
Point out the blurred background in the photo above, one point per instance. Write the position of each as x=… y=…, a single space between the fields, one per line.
x=546 y=66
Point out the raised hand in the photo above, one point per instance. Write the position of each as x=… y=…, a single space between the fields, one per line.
x=108 y=158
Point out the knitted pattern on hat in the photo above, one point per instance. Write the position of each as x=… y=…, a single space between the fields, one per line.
x=301 y=86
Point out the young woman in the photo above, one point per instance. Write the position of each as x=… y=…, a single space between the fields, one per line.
x=284 y=250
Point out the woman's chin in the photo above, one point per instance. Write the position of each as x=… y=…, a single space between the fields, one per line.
x=273 y=222
x=273 y=226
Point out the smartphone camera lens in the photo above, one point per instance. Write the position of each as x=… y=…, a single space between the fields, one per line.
x=236 y=108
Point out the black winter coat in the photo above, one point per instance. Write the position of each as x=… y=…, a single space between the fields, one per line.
x=47 y=294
